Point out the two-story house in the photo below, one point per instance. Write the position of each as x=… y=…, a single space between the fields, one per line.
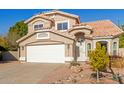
x=59 y=37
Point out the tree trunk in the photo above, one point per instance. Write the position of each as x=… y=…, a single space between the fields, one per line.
x=97 y=76
x=110 y=63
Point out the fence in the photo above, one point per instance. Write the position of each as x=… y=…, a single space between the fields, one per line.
x=121 y=52
x=10 y=56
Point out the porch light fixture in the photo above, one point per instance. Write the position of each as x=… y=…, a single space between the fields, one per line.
x=80 y=40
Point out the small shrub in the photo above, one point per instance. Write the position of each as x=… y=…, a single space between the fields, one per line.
x=98 y=59
x=74 y=63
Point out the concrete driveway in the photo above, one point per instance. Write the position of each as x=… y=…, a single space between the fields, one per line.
x=25 y=73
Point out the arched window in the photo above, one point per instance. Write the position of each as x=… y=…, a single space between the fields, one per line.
x=88 y=48
x=38 y=25
x=114 y=48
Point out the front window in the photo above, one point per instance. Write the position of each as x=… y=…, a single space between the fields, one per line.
x=88 y=48
x=62 y=26
x=115 y=48
x=38 y=27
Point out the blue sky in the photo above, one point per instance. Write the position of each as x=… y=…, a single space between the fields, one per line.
x=10 y=16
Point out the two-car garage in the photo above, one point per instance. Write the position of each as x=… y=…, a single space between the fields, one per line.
x=57 y=48
x=46 y=53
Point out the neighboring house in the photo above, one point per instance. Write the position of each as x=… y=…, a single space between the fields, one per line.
x=59 y=37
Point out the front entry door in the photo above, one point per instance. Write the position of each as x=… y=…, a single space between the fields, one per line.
x=80 y=48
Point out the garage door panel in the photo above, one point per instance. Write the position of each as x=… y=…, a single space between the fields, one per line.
x=46 y=53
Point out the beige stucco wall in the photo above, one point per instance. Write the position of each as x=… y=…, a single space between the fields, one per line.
x=121 y=52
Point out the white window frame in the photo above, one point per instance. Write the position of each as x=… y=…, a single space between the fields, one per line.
x=38 y=24
x=43 y=37
x=62 y=22
x=114 y=47
x=35 y=23
x=90 y=48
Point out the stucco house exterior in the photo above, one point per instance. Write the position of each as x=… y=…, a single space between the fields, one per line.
x=59 y=37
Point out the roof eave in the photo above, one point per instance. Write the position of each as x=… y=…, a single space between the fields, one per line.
x=34 y=17
x=25 y=37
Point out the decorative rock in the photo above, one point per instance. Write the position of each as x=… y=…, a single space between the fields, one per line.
x=81 y=75
x=74 y=81
x=76 y=69
x=59 y=82
x=69 y=78
x=78 y=77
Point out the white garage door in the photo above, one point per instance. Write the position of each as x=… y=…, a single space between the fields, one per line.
x=46 y=53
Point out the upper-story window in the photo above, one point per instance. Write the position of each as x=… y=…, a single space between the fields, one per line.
x=62 y=26
x=38 y=26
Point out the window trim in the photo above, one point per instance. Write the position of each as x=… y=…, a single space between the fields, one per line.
x=114 y=48
x=37 y=22
x=38 y=25
x=88 y=47
x=56 y=23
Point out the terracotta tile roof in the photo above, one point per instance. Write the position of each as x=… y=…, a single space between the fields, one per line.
x=104 y=28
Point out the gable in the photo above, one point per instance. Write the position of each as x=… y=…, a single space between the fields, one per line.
x=64 y=14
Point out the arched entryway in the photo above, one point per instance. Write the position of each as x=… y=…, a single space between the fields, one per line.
x=80 y=46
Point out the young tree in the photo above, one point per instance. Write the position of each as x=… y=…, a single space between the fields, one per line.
x=99 y=59
x=12 y=37
x=15 y=32
x=3 y=44
x=121 y=38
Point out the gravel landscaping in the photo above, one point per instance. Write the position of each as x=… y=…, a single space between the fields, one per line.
x=78 y=75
